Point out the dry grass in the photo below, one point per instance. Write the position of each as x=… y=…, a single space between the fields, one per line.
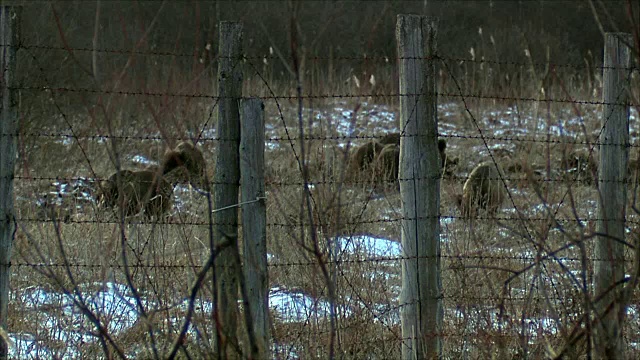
x=491 y=309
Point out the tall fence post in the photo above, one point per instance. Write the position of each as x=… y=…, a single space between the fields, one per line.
x=254 y=221
x=614 y=158
x=227 y=180
x=421 y=309
x=9 y=40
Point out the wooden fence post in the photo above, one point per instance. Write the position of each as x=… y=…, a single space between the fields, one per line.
x=254 y=220
x=614 y=158
x=9 y=40
x=226 y=186
x=421 y=309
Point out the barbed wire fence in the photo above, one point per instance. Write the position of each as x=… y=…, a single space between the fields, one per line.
x=85 y=282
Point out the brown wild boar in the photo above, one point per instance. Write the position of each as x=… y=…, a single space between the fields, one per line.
x=442 y=147
x=379 y=161
x=483 y=190
x=135 y=191
x=390 y=138
x=362 y=158
x=387 y=165
x=151 y=190
x=189 y=161
x=394 y=138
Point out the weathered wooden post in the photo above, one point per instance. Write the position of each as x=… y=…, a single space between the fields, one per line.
x=254 y=220
x=421 y=297
x=227 y=180
x=614 y=158
x=9 y=40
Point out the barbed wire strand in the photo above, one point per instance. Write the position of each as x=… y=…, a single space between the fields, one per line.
x=391 y=60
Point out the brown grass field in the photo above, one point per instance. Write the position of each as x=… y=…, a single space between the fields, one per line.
x=514 y=284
